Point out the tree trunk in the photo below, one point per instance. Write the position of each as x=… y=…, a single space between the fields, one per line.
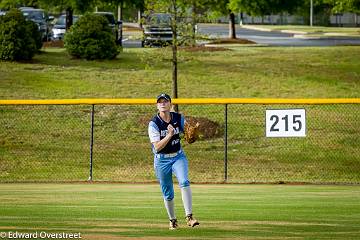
x=120 y=10
x=232 y=32
x=311 y=13
x=69 y=18
x=174 y=53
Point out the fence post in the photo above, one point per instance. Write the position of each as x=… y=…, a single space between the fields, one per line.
x=91 y=143
x=225 y=145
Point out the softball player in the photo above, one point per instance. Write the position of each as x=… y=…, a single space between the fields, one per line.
x=164 y=133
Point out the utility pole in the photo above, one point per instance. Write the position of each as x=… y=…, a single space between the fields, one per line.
x=311 y=13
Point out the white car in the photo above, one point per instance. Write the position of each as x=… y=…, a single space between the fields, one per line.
x=59 y=28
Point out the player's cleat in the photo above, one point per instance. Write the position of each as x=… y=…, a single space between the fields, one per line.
x=191 y=222
x=173 y=224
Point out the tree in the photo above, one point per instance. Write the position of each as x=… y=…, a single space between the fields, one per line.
x=221 y=8
x=69 y=6
x=264 y=7
x=193 y=10
x=91 y=38
x=354 y=7
x=340 y=6
x=7 y=4
x=320 y=8
x=116 y=4
x=177 y=10
x=20 y=39
x=140 y=5
x=119 y=4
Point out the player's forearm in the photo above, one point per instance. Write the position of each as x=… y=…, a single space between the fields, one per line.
x=161 y=144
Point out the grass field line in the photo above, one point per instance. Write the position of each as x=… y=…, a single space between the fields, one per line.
x=227 y=224
x=104 y=211
x=107 y=237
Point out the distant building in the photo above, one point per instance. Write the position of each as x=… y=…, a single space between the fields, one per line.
x=344 y=20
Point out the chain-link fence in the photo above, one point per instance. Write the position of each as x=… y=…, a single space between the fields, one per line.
x=54 y=143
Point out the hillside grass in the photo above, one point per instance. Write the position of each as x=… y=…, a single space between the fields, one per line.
x=51 y=143
x=143 y=73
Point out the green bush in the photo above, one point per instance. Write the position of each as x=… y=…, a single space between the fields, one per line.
x=36 y=35
x=91 y=38
x=19 y=39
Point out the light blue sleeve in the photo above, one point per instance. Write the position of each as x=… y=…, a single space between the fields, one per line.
x=153 y=131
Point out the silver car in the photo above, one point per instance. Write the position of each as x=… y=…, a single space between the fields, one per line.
x=59 y=28
x=157 y=30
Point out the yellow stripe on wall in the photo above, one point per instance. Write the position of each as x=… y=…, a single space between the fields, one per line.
x=200 y=101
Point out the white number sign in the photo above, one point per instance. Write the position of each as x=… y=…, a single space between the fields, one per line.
x=285 y=123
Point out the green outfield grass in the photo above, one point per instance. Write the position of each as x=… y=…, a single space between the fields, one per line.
x=112 y=211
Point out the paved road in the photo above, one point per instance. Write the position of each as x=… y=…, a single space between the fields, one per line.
x=268 y=38
x=131 y=43
x=276 y=38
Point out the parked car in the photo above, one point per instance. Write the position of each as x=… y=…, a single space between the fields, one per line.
x=23 y=8
x=157 y=30
x=116 y=26
x=59 y=28
x=2 y=12
x=40 y=17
